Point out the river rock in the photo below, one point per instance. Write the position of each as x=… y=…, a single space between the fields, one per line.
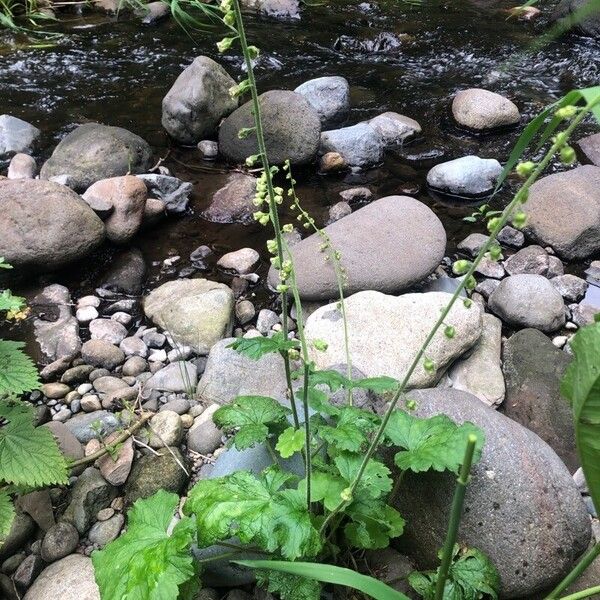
x=93 y=152
x=528 y=301
x=242 y=261
x=388 y=245
x=385 y=333
x=196 y=312
x=108 y=330
x=533 y=368
x=229 y=374
x=22 y=166
x=101 y=353
x=481 y=372
x=233 y=202
x=22 y=529
x=481 y=109
x=16 y=136
x=570 y=13
x=563 y=211
x=291 y=127
x=45 y=225
x=180 y=376
x=197 y=101
x=360 y=145
x=570 y=287
x=91 y=426
x=60 y=540
x=127 y=195
x=469 y=176
x=532 y=259
x=329 y=96
x=204 y=436
x=589 y=149
x=115 y=468
x=280 y=9
x=394 y=128
x=522 y=507
x=71 y=578
x=155 y=12
x=125 y=275
x=104 y=532
x=166 y=429
x=68 y=443
x=174 y=193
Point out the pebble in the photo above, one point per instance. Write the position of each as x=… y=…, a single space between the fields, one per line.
x=332 y=162
x=208 y=149
x=245 y=311
x=134 y=366
x=90 y=403
x=338 y=211
x=84 y=301
x=105 y=514
x=134 y=346
x=242 y=261
x=511 y=237
x=179 y=353
x=266 y=320
x=204 y=437
x=55 y=390
x=153 y=339
x=165 y=429
x=107 y=330
x=86 y=314
x=122 y=317
x=157 y=356
x=60 y=540
x=101 y=353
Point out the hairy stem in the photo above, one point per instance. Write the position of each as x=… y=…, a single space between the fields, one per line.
x=583 y=594
x=587 y=559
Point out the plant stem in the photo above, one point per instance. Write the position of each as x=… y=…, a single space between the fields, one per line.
x=209 y=559
x=520 y=196
x=583 y=594
x=455 y=516
x=587 y=559
x=272 y=452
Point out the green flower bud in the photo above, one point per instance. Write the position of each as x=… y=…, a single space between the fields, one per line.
x=411 y=404
x=467 y=302
x=251 y=160
x=225 y=44
x=567 y=155
x=566 y=112
x=519 y=220
x=253 y=51
x=495 y=253
x=282 y=288
x=288 y=228
x=272 y=246
x=346 y=495
x=449 y=332
x=493 y=223
x=320 y=345
x=470 y=283
x=229 y=18
x=293 y=354
x=525 y=169
x=429 y=365
x=460 y=267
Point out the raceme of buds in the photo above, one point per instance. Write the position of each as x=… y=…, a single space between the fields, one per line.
x=429 y=365
x=460 y=267
x=226 y=6
x=320 y=345
x=567 y=155
x=261 y=217
x=525 y=169
x=519 y=220
x=493 y=223
x=272 y=246
x=566 y=112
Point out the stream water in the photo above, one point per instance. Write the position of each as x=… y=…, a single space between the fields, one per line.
x=116 y=71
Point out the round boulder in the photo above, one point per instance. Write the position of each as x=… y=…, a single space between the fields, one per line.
x=45 y=225
x=93 y=152
x=329 y=96
x=16 y=136
x=469 y=176
x=291 y=127
x=481 y=109
x=198 y=100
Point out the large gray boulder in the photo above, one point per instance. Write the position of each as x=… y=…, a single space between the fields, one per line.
x=16 y=136
x=93 y=152
x=469 y=176
x=522 y=507
x=385 y=333
x=528 y=300
x=196 y=312
x=291 y=127
x=329 y=96
x=45 y=225
x=563 y=211
x=197 y=101
x=533 y=368
x=389 y=245
x=481 y=109
x=360 y=145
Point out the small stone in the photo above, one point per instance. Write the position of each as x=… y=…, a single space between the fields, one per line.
x=394 y=129
x=357 y=195
x=560 y=340
x=134 y=366
x=204 y=437
x=63 y=415
x=86 y=314
x=88 y=301
x=242 y=261
x=208 y=149
x=480 y=109
x=104 y=532
x=359 y=145
x=60 y=540
x=532 y=259
x=55 y=390
x=22 y=166
x=134 y=346
x=122 y=317
x=332 y=162
x=245 y=311
x=101 y=353
x=165 y=429
x=490 y=268
x=266 y=320
x=107 y=330
x=583 y=314
x=90 y=403
x=153 y=339
x=469 y=176
x=570 y=287
x=116 y=469
x=555 y=267
x=473 y=243
x=105 y=514
x=187 y=421
x=157 y=356
x=511 y=237
x=179 y=353
x=338 y=211
x=27 y=571
x=487 y=287
x=178 y=405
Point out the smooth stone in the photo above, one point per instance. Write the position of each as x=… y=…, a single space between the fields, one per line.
x=116 y=468
x=563 y=211
x=490 y=268
x=469 y=176
x=83 y=426
x=180 y=376
x=178 y=405
x=204 y=437
x=209 y=149
x=154 y=211
x=338 y=211
x=104 y=532
x=528 y=300
x=22 y=529
x=589 y=148
x=389 y=350
x=155 y=12
x=472 y=244
x=196 y=312
x=394 y=128
x=522 y=507
x=27 y=571
x=86 y=314
x=279 y=9
x=389 y=245
x=359 y=145
x=197 y=101
x=481 y=372
x=16 y=136
x=55 y=390
x=332 y=162
x=242 y=261
x=22 y=166
x=165 y=429
x=533 y=369
x=233 y=202
x=329 y=96
x=244 y=311
x=532 y=259
x=173 y=192
x=134 y=346
x=68 y=443
x=481 y=109
x=291 y=129
x=107 y=330
x=267 y=319
x=92 y=152
x=71 y=578
x=101 y=353
x=229 y=374
x=511 y=237
x=570 y=287
x=134 y=366
x=59 y=541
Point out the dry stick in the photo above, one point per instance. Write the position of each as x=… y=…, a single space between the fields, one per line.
x=520 y=196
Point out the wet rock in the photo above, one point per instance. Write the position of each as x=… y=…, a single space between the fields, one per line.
x=21 y=530
x=570 y=13
x=563 y=211
x=116 y=468
x=389 y=245
x=511 y=237
x=127 y=195
x=172 y=191
x=469 y=176
x=291 y=127
x=229 y=374
x=155 y=12
x=155 y=472
x=394 y=129
x=521 y=508
x=490 y=268
x=204 y=436
x=480 y=373
x=16 y=136
x=197 y=101
x=45 y=225
x=180 y=376
x=86 y=314
x=90 y=426
x=104 y=532
x=332 y=162
x=165 y=429
x=533 y=368
x=78 y=374
x=533 y=259
x=528 y=301
x=472 y=244
x=101 y=353
x=93 y=152
x=126 y=274
x=196 y=312
x=338 y=211
x=233 y=202
x=329 y=96
x=267 y=319
x=282 y=9
x=589 y=149
x=242 y=261
x=389 y=350
x=107 y=330
x=71 y=578
x=154 y=211
x=555 y=267
x=56 y=330
x=570 y=287
x=90 y=493
x=208 y=149
x=59 y=541
x=22 y=166
x=27 y=571
x=382 y=43
x=481 y=109
x=359 y=145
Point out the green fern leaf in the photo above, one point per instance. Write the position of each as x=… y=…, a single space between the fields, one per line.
x=7 y=514
x=29 y=455
x=17 y=371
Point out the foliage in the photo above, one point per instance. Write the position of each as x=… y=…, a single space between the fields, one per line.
x=150 y=560
x=287 y=586
x=17 y=371
x=257 y=347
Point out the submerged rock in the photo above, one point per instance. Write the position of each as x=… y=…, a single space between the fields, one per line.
x=16 y=136
x=522 y=507
x=359 y=145
x=93 y=152
x=469 y=176
x=387 y=245
x=291 y=127
x=233 y=202
x=481 y=109
x=385 y=333
x=394 y=128
x=174 y=193
x=197 y=101
x=329 y=96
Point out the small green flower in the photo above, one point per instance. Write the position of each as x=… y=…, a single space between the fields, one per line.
x=225 y=44
x=449 y=331
x=282 y=288
x=288 y=228
x=411 y=404
x=567 y=155
x=519 y=220
x=460 y=267
x=493 y=223
x=566 y=112
x=320 y=345
x=429 y=365
x=525 y=169
x=495 y=253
